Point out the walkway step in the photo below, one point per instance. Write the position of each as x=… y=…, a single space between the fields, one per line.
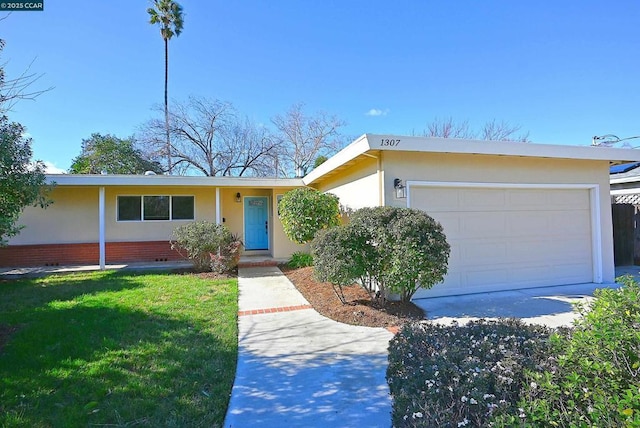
x=262 y=263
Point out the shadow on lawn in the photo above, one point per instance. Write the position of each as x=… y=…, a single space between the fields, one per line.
x=84 y=363
x=21 y=294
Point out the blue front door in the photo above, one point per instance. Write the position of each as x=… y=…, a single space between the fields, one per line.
x=256 y=223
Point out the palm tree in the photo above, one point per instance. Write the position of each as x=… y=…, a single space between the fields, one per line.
x=168 y=14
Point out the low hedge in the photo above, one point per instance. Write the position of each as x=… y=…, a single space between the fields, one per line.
x=509 y=374
x=454 y=376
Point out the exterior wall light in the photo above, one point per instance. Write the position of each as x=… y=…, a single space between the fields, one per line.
x=401 y=189
x=238 y=197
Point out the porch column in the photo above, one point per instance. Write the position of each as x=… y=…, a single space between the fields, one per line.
x=101 y=244
x=218 y=207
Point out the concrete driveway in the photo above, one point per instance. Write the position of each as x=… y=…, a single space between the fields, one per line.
x=551 y=306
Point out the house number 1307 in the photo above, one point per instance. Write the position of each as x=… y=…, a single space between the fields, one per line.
x=389 y=142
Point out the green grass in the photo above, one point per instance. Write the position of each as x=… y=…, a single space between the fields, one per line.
x=118 y=349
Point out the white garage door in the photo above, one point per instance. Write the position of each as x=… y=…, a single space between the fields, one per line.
x=509 y=238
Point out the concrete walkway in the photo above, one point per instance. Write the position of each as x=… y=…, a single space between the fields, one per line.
x=297 y=368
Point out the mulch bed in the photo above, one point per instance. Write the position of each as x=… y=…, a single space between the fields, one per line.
x=360 y=309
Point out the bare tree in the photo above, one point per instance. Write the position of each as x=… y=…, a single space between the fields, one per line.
x=448 y=128
x=503 y=131
x=493 y=130
x=22 y=180
x=248 y=150
x=197 y=127
x=304 y=138
x=208 y=138
x=17 y=88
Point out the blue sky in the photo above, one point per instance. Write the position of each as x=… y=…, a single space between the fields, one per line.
x=564 y=71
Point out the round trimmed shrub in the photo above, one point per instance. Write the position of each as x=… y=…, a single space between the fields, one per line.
x=335 y=256
x=388 y=250
x=304 y=211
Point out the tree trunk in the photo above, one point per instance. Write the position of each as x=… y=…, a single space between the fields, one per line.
x=166 y=104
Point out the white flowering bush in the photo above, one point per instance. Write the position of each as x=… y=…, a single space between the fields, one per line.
x=457 y=376
x=592 y=377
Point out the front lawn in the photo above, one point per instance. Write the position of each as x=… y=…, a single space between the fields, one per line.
x=117 y=349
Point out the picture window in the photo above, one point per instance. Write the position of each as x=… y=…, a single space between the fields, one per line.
x=154 y=208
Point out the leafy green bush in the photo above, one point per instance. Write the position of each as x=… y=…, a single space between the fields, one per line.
x=593 y=379
x=300 y=260
x=455 y=376
x=387 y=249
x=304 y=211
x=338 y=258
x=208 y=245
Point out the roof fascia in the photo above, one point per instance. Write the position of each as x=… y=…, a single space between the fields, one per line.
x=502 y=148
x=353 y=150
x=384 y=142
x=165 y=180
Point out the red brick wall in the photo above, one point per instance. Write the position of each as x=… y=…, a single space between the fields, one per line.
x=83 y=254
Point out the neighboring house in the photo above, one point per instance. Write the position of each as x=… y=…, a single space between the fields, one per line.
x=516 y=214
x=625 y=183
x=625 y=200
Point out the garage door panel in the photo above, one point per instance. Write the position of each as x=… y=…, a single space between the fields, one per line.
x=455 y=256
x=549 y=248
x=576 y=223
x=573 y=273
x=449 y=221
x=519 y=199
x=473 y=200
x=511 y=238
x=569 y=198
x=532 y=251
x=565 y=251
x=526 y=224
x=441 y=199
x=485 y=277
x=483 y=252
x=482 y=224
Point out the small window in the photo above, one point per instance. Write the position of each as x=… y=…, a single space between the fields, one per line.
x=182 y=208
x=156 y=207
x=129 y=208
